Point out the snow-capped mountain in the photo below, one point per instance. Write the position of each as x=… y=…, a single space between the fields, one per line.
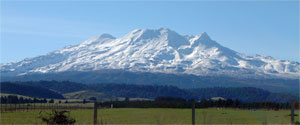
x=158 y=50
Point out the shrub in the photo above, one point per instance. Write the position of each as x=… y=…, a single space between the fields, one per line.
x=57 y=117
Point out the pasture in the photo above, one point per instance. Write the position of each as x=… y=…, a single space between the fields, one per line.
x=160 y=116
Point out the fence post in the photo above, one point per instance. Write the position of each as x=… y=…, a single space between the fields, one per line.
x=193 y=112
x=5 y=108
x=95 y=113
x=11 y=108
x=292 y=112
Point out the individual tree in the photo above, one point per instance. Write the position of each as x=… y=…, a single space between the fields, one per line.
x=12 y=99
x=35 y=100
x=126 y=99
x=51 y=101
x=93 y=98
x=44 y=100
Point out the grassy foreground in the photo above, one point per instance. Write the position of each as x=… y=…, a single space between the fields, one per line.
x=161 y=116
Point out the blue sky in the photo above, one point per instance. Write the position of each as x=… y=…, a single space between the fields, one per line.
x=33 y=28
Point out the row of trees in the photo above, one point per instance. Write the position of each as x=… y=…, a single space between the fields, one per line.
x=176 y=102
x=165 y=102
x=11 y=99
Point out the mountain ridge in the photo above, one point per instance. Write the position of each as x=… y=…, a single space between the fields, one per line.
x=155 y=50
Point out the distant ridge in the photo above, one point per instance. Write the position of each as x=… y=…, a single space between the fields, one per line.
x=27 y=90
x=112 y=90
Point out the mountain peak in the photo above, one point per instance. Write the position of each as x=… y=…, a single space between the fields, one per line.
x=146 y=29
x=204 y=40
x=161 y=30
x=163 y=33
x=99 y=39
x=142 y=34
x=106 y=35
x=173 y=39
x=204 y=36
x=164 y=30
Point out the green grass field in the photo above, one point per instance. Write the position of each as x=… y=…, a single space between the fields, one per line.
x=161 y=116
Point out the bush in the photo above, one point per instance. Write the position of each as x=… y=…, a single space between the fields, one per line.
x=57 y=117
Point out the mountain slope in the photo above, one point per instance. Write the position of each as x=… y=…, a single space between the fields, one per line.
x=160 y=50
x=27 y=90
x=84 y=94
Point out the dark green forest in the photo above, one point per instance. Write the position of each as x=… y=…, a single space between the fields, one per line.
x=183 y=81
x=54 y=89
x=28 y=90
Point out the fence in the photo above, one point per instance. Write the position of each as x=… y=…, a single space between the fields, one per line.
x=25 y=107
x=44 y=106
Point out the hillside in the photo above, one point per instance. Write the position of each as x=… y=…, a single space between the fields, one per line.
x=87 y=94
x=247 y=94
x=184 y=81
x=27 y=90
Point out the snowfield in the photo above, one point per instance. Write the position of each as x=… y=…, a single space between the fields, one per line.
x=155 y=50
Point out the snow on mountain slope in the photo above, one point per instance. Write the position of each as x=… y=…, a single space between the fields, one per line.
x=159 y=50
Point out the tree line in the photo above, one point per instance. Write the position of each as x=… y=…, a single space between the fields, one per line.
x=166 y=102
x=177 y=102
x=11 y=99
